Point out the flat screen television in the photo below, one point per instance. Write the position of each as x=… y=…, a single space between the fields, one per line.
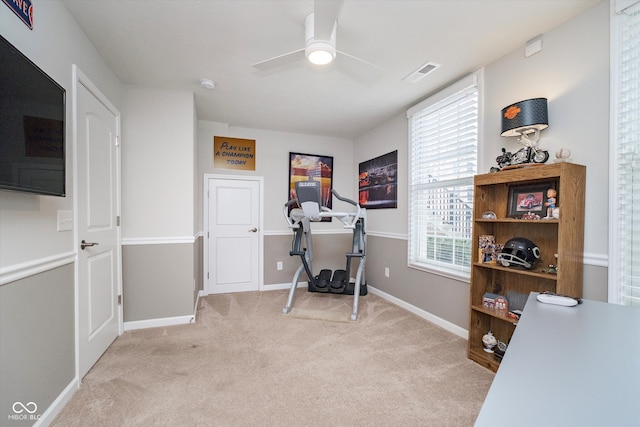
x=32 y=126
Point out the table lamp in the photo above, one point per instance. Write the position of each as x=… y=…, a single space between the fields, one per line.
x=525 y=118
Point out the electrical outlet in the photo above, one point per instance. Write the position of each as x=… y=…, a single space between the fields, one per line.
x=386 y=272
x=279 y=265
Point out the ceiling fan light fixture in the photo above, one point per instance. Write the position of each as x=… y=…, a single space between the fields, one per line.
x=320 y=53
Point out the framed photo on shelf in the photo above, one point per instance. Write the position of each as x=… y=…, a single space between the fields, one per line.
x=531 y=198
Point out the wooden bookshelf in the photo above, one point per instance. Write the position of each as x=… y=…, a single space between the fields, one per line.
x=563 y=236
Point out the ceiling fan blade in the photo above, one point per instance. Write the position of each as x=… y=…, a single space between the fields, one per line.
x=358 y=68
x=279 y=61
x=325 y=16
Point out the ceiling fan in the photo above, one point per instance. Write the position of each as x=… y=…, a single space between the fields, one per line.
x=320 y=45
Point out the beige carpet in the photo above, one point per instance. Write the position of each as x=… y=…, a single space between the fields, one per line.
x=244 y=363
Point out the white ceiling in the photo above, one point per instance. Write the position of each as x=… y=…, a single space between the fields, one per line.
x=174 y=44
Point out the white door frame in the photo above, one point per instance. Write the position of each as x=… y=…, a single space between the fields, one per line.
x=205 y=222
x=79 y=78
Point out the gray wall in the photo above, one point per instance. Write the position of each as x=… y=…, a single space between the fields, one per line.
x=158 y=281
x=37 y=263
x=328 y=252
x=160 y=248
x=572 y=71
x=442 y=297
x=37 y=340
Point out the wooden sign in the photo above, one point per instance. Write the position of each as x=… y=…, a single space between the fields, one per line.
x=234 y=153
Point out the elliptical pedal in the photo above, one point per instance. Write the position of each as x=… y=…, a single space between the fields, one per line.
x=339 y=281
x=323 y=280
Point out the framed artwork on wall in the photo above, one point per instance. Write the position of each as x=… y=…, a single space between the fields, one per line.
x=378 y=182
x=312 y=167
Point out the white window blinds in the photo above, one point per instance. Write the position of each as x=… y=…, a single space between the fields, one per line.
x=624 y=247
x=443 y=140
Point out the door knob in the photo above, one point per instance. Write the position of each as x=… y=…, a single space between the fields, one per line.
x=84 y=244
x=253 y=230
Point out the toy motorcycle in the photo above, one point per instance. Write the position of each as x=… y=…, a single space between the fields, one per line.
x=524 y=155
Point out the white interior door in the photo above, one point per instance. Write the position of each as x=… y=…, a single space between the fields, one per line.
x=234 y=235
x=99 y=315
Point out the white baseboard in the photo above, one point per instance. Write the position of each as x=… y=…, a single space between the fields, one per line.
x=57 y=405
x=165 y=321
x=195 y=307
x=445 y=324
x=157 y=323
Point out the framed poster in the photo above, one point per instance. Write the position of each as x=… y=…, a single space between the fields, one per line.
x=312 y=166
x=378 y=182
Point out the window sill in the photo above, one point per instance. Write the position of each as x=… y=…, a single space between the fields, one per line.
x=461 y=276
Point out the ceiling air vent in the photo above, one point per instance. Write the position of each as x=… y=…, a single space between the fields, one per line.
x=421 y=72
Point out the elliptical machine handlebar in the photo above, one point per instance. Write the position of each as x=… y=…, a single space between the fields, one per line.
x=285 y=212
x=291 y=202
x=348 y=224
x=344 y=199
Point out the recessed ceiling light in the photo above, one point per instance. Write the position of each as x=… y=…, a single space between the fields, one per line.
x=208 y=84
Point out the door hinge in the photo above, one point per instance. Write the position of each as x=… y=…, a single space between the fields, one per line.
x=119 y=299
x=117 y=141
x=207 y=274
x=118 y=221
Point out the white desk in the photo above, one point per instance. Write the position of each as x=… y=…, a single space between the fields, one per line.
x=568 y=366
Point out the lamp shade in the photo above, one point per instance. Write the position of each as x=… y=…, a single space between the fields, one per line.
x=525 y=117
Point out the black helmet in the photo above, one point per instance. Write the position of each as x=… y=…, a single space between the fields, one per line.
x=519 y=251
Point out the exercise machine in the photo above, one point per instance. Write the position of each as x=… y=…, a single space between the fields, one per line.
x=300 y=212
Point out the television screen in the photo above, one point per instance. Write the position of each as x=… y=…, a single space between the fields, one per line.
x=32 y=126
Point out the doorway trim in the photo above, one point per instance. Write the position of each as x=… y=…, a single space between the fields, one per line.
x=205 y=223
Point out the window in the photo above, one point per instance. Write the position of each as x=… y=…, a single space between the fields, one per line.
x=443 y=141
x=624 y=235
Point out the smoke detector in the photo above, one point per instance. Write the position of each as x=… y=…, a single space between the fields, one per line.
x=421 y=72
x=208 y=84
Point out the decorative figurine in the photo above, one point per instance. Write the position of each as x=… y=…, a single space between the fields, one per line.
x=553 y=268
x=489 y=342
x=551 y=203
x=526 y=155
x=503 y=160
x=488 y=215
x=530 y=215
x=563 y=155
